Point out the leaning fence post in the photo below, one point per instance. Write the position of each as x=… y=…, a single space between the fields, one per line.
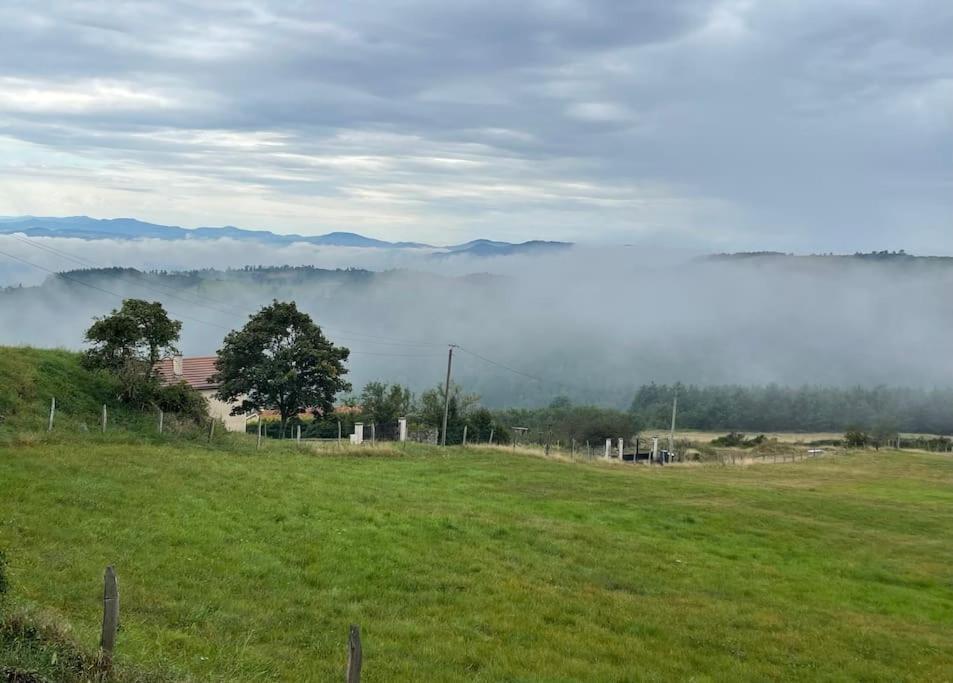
x=110 y=615
x=491 y=436
x=49 y=427
x=354 y=654
x=464 y=435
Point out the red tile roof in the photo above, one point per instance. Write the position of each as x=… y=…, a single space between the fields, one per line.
x=196 y=371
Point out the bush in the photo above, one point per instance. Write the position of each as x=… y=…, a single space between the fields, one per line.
x=854 y=438
x=182 y=400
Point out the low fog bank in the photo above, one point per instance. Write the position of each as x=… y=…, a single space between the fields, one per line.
x=590 y=323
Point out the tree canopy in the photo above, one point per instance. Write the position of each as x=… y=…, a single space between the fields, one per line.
x=128 y=342
x=138 y=331
x=281 y=360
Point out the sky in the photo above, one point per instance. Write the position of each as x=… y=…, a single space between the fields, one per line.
x=796 y=125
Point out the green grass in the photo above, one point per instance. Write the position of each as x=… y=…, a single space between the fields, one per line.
x=486 y=565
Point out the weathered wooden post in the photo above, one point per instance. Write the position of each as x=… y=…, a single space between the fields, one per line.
x=621 y=448
x=491 y=435
x=49 y=427
x=258 y=445
x=373 y=433
x=354 y=654
x=402 y=429
x=298 y=435
x=608 y=447
x=107 y=640
x=464 y=435
x=104 y=418
x=161 y=416
x=339 y=433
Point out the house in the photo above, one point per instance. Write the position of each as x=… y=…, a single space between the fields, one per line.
x=196 y=371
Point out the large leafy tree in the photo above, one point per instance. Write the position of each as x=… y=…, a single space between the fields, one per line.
x=128 y=342
x=138 y=331
x=280 y=360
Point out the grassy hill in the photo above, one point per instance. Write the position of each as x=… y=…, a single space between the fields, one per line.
x=487 y=564
x=30 y=377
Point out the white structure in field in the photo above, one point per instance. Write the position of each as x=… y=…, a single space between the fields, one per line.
x=357 y=438
x=196 y=371
x=402 y=429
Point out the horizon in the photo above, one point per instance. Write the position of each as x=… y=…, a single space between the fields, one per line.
x=894 y=250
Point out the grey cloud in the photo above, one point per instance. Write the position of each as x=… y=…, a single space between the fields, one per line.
x=794 y=125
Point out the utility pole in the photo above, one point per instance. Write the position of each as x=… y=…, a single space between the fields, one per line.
x=671 y=433
x=446 y=399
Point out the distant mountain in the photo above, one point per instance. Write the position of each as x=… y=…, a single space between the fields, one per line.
x=491 y=248
x=84 y=227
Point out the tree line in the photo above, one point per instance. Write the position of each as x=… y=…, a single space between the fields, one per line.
x=805 y=408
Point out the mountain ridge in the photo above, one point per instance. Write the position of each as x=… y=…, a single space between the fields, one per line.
x=86 y=227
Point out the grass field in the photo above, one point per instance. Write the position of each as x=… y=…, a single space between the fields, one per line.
x=488 y=565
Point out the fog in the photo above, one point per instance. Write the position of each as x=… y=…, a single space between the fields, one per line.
x=592 y=323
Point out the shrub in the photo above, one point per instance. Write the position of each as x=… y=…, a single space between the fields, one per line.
x=854 y=438
x=182 y=400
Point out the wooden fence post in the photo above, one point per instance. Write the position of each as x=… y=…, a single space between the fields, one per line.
x=258 y=444
x=298 y=435
x=339 y=433
x=373 y=433
x=107 y=640
x=354 y=654
x=464 y=435
x=104 y=418
x=161 y=417
x=49 y=426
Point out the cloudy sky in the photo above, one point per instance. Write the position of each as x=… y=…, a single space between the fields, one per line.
x=807 y=125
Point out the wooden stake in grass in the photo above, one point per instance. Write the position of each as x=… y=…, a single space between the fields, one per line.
x=161 y=417
x=104 y=418
x=258 y=445
x=354 y=654
x=464 y=435
x=49 y=427
x=107 y=640
x=491 y=436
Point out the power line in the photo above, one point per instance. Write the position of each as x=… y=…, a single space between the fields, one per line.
x=194 y=299
x=78 y=281
x=501 y=365
x=70 y=278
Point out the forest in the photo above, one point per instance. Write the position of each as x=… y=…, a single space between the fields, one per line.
x=806 y=408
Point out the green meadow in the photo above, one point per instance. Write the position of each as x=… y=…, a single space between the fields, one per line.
x=485 y=565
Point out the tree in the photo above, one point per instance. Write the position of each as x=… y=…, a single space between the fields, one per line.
x=432 y=405
x=383 y=404
x=139 y=330
x=280 y=360
x=128 y=342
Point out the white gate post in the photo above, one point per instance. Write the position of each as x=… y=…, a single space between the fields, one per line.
x=608 y=446
x=402 y=429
